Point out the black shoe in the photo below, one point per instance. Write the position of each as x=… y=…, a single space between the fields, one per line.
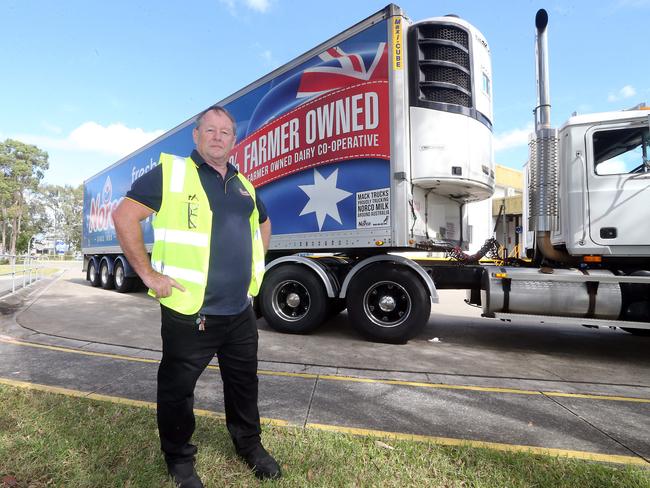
x=184 y=475
x=262 y=463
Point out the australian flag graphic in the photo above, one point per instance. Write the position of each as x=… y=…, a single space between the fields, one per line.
x=313 y=138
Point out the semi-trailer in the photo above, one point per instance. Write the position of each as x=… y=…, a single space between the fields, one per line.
x=378 y=142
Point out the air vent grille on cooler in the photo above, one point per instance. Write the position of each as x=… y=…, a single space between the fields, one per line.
x=447 y=75
x=444 y=62
x=445 y=33
x=432 y=52
x=443 y=95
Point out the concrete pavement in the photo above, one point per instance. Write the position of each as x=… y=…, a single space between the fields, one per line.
x=576 y=392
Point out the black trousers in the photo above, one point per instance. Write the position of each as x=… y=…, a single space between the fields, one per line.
x=187 y=351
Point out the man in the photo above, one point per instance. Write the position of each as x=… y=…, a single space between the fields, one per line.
x=211 y=233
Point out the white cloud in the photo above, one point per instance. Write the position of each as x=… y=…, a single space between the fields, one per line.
x=267 y=55
x=86 y=150
x=230 y=5
x=261 y=6
x=512 y=138
x=114 y=139
x=627 y=91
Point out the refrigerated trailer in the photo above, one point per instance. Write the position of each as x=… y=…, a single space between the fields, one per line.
x=377 y=142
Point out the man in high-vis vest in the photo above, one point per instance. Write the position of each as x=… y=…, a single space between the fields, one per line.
x=211 y=232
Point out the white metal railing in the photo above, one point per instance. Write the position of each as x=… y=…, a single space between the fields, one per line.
x=18 y=271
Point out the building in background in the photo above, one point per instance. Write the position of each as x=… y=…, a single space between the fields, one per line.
x=507 y=209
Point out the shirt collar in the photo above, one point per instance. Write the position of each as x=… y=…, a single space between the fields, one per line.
x=199 y=161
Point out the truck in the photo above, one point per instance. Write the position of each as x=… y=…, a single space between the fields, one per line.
x=369 y=152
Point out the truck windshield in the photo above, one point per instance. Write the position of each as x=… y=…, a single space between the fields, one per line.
x=622 y=151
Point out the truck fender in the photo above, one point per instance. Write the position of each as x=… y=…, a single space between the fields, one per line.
x=330 y=286
x=110 y=261
x=129 y=272
x=95 y=260
x=431 y=287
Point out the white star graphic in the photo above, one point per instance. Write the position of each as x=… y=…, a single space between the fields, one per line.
x=324 y=197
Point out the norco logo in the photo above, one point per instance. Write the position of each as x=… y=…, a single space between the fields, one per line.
x=101 y=209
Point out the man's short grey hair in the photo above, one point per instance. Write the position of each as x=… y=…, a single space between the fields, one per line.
x=218 y=109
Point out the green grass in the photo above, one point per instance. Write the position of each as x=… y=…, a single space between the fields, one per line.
x=51 y=440
x=6 y=269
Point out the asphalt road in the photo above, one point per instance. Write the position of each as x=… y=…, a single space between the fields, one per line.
x=568 y=389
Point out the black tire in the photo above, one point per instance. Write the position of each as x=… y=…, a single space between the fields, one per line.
x=105 y=277
x=388 y=303
x=293 y=299
x=122 y=283
x=93 y=274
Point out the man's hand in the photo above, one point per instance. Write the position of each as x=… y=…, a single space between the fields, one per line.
x=161 y=284
x=127 y=217
x=265 y=230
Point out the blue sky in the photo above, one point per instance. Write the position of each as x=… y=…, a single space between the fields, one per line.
x=91 y=81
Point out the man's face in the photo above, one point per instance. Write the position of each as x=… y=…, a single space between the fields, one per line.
x=214 y=138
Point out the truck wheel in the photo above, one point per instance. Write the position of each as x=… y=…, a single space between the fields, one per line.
x=293 y=299
x=93 y=274
x=388 y=303
x=105 y=277
x=122 y=283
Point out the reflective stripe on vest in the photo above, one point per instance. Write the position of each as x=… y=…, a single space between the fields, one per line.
x=182 y=237
x=258 y=264
x=182 y=232
x=179 y=273
x=178 y=175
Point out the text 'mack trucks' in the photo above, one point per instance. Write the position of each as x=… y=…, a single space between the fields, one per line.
x=377 y=142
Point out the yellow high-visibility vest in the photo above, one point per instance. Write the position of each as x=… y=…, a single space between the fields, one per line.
x=182 y=231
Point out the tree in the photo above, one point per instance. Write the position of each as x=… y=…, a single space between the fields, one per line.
x=22 y=167
x=36 y=221
x=65 y=204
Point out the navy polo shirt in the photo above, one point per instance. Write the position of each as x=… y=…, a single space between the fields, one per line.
x=229 y=273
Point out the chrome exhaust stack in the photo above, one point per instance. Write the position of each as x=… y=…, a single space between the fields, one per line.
x=543 y=165
x=543 y=110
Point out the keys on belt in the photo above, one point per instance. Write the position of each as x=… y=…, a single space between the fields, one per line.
x=200 y=321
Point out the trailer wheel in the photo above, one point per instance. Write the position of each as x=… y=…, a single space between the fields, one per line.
x=105 y=277
x=388 y=303
x=122 y=283
x=93 y=274
x=293 y=299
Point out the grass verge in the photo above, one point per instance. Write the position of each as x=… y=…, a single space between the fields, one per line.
x=6 y=269
x=51 y=440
